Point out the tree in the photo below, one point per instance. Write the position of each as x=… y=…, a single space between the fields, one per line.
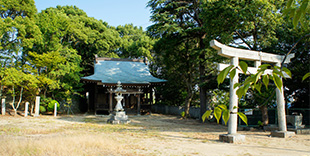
x=296 y=38
x=56 y=62
x=75 y=30
x=176 y=56
x=18 y=32
x=183 y=18
x=16 y=79
x=135 y=42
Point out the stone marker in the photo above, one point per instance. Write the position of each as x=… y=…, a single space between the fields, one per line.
x=26 y=109
x=55 y=110
x=37 y=107
x=3 y=106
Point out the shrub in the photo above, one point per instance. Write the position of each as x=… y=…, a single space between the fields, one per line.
x=51 y=105
x=42 y=109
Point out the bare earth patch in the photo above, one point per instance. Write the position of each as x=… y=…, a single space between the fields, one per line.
x=145 y=135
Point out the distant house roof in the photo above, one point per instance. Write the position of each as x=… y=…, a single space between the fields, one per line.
x=127 y=71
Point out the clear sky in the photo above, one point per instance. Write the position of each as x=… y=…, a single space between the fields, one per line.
x=115 y=12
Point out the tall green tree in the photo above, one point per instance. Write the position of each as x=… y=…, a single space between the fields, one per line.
x=56 y=62
x=135 y=42
x=183 y=18
x=177 y=60
x=87 y=35
x=18 y=32
x=295 y=36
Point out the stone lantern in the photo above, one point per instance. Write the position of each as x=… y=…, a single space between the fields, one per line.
x=119 y=115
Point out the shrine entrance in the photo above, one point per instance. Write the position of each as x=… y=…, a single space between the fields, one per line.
x=234 y=54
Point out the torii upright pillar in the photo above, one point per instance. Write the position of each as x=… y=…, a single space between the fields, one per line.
x=235 y=54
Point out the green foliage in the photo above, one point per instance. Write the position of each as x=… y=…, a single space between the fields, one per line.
x=182 y=55
x=255 y=81
x=260 y=123
x=231 y=21
x=51 y=105
x=306 y=76
x=222 y=112
x=298 y=10
x=135 y=42
x=183 y=115
x=42 y=109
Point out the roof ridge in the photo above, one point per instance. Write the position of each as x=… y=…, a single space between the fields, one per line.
x=117 y=59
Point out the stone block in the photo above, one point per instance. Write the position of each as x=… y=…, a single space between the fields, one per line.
x=232 y=138
x=282 y=134
x=119 y=117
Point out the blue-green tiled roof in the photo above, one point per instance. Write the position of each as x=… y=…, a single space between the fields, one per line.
x=127 y=72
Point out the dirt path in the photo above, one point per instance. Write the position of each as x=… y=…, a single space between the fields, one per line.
x=145 y=135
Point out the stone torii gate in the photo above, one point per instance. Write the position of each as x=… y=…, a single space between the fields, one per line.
x=258 y=57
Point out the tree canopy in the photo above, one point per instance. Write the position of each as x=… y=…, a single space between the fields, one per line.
x=45 y=53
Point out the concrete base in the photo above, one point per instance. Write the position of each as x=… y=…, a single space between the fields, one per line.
x=301 y=130
x=232 y=138
x=119 y=118
x=282 y=134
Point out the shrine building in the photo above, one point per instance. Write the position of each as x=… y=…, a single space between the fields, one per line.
x=135 y=78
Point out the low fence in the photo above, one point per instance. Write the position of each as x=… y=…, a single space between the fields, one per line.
x=273 y=116
x=253 y=119
x=194 y=112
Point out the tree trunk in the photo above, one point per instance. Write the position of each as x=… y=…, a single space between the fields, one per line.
x=20 y=99
x=265 y=118
x=13 y=101
x=188 y=101
x=203 y=91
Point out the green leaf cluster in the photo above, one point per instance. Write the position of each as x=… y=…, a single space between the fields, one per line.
x=222 y=112
x=255 y=81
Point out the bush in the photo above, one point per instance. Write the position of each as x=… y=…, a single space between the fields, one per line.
x=51 y=105
x=42 y=109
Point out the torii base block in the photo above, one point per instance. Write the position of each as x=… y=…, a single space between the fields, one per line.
x=232 y=138
x=282 y=134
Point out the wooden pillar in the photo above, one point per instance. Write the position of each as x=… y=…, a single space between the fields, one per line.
x=87 y=100
x=96 y=98
x=139 y=105
x=151 y=96
x=147 y=95
x=110 y=103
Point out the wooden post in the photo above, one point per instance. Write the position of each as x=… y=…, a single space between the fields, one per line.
x=139 y=105
x=151 y=96
x=55 y=110
x=110 y=103
x=37 y=107
x=87 y=100
x=3 y=106
x=26 y=109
